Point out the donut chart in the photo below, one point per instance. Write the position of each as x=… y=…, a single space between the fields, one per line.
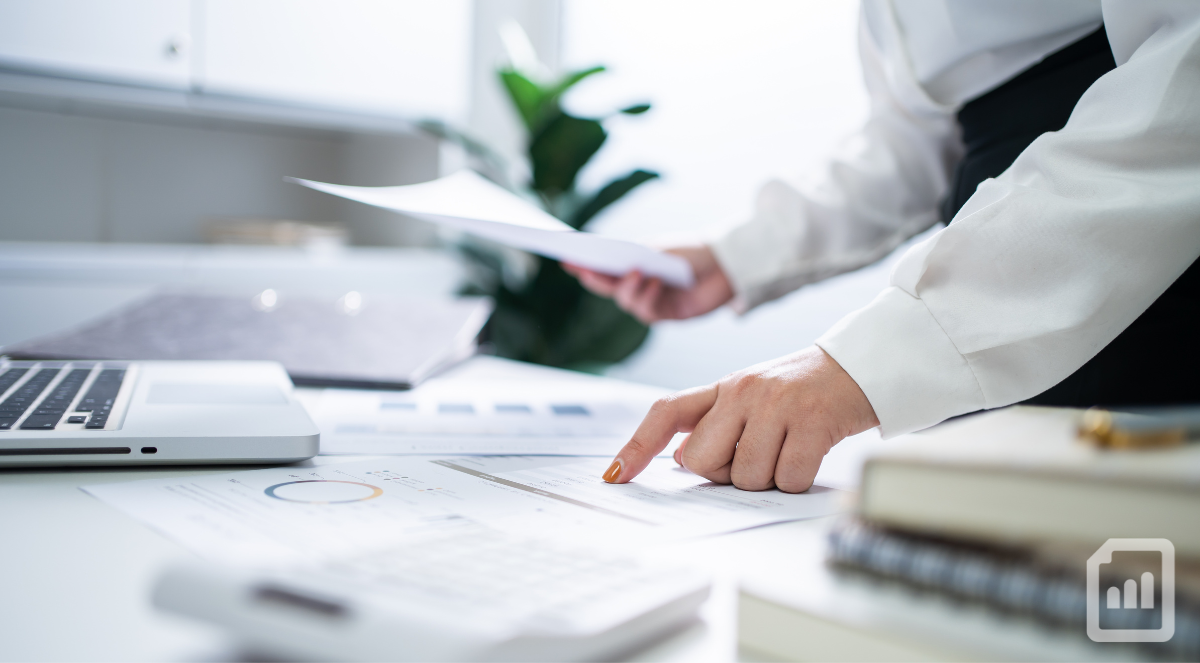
x=323 y=491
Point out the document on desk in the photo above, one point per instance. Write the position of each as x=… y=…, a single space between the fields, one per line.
x=466 y=201
x=268 y=516
x=592 y=417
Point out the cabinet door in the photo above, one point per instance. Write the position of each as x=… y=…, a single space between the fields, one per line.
x=144 y=42
x=397 y=57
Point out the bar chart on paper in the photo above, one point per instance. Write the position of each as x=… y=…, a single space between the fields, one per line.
x=482 y=418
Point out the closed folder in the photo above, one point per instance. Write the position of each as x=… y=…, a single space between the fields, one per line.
x=364 y=343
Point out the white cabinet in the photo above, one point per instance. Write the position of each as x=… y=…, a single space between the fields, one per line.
x=392 y=56
x=406 y=58
x=145 y=42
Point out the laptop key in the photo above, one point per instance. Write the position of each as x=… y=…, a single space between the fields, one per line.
x=40 y=422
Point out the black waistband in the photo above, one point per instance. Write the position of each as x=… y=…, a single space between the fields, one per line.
x=999 y=125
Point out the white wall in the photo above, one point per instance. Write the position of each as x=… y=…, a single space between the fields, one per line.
x=742 y=92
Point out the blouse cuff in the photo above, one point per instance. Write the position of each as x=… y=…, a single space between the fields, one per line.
x=904 y=362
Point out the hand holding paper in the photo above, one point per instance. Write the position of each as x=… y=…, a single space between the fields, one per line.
x=467 y=202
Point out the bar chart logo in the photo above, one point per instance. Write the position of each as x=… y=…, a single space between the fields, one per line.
x=1134 y=591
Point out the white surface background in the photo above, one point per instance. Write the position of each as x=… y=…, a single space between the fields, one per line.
x=741 y=93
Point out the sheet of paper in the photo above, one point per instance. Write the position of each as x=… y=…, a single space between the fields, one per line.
x=468 y=202
x=462 y=416
x=262 y=517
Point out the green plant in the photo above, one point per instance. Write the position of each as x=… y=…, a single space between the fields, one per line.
x=542 y=314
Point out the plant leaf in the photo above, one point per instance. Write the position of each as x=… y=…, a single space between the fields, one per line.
x=568 y=81
x=636 y=109
x=554 y=321
x=537 y=104
x=560 y=150
x=527 y=96
x=609 y=194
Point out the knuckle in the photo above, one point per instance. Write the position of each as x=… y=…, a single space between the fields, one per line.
x=793 y=486
x=749 y=480
x=716 y=477
x=638 y=445
x=697 y=464
x=733 y=386
x=794 y=481
x=662 y=407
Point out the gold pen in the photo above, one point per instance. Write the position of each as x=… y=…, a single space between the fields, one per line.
x=1140 y=428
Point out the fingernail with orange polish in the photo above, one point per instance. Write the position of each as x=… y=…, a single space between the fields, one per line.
x=613 y=472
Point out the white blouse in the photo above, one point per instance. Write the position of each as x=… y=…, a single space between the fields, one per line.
x=1045 y=264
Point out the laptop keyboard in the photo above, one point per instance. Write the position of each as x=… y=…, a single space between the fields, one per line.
x=29 y=402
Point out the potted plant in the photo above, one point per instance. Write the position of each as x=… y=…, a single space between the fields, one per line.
x=542 y=314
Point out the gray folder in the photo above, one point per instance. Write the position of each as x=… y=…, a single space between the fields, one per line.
x=383 y=343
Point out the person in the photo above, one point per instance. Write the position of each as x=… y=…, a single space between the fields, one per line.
x=1059 y=142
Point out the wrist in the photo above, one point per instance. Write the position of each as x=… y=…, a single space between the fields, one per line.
x=857 y=413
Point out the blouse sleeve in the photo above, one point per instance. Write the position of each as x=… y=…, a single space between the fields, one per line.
x=881 y=187
x=1047 y=263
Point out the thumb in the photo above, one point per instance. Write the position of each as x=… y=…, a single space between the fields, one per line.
x=677 y=413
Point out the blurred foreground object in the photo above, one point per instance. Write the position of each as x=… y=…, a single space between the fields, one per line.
x=275 y=232
x=1021 y=475
x=974 y=540
x=1140 y=428
x=543 y=314
x=455 y=592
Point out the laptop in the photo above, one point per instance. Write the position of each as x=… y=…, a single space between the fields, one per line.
x=150 y=412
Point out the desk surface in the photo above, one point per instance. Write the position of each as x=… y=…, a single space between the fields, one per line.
x=76 y=574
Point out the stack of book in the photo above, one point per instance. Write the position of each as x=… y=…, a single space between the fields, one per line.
x=999 y=513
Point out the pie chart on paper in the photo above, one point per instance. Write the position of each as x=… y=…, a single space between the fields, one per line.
x=323 y=491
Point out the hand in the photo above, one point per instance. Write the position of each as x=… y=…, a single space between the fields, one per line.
x=648 y=300
x=766 y=426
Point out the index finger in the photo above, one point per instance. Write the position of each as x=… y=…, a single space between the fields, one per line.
x=677 y=413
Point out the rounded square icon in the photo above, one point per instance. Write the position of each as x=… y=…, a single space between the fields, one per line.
x=1129 y=596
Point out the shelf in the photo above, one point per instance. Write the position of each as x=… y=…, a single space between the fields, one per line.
x=122 y=101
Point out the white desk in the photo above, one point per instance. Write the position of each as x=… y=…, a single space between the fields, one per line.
x=73 y=565
x=75 y=574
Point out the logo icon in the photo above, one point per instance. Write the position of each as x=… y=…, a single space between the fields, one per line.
x=1133 y=594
